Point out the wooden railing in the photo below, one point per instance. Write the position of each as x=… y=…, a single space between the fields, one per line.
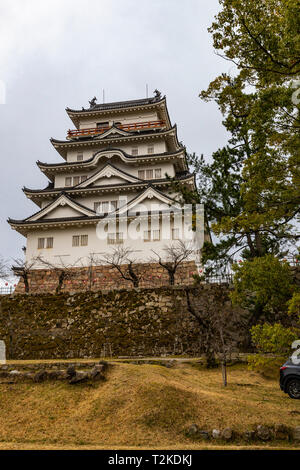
x=135 y=126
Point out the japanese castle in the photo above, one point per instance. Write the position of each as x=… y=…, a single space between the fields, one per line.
x=120 y=163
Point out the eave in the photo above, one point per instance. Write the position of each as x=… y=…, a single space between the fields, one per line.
x=62 y=146
x=39 y=195
x=24 y=227
x=120 y=108
x=50 y=169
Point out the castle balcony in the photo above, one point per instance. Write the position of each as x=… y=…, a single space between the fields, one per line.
x=133 y=127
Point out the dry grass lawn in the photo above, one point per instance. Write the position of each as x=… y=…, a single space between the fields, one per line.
x=140 y=406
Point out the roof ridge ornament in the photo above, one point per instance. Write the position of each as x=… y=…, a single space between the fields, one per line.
x=157 y=94
x=93 y=102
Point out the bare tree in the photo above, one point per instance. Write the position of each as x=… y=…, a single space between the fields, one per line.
x=64 y=270
x=176 y=253
x=120 y=259
x=22 y=269
x=4 y=271
x=221 y=325
x=93 y=260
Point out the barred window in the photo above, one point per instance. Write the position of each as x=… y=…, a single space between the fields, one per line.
x=79 y=157
x=113 y=205
x=141 y=174
x=134 y=151
x=68 y=181
x=120 y=237
x=115 y=238
x=105 y=207
x=84 y=240
x=151 y=149
x=75 y=240
x=156 y=235
x=83 y=178
x=149 y=174
x=111 y=238
x=147 y=235
x=76 y=180
x=49 y=242
x=158 y=173
x=41 y=243
x=97 y=207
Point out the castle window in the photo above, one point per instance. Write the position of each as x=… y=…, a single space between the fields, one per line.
x=49 y=242
x=158 y=173
x=83 y=178
x=149 y=174
x=147 y=235
x=41 y=243
x=156 y=235
x=175 y=233
x=105 y=207
x=97 y=207
x=115 y=238
x=141 y=174
x=80 y=240
x=151 y=236
x=151 y=149
x=84 y=240
x=102 y=124
x=79 y=157
x=75 y=240
x=113 y=205
x=134 y=151
x=76 y=180
x=68 y=181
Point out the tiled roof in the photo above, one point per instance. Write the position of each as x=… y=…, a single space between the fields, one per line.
x=127 y=155
x=117 y=105
x=119 y=185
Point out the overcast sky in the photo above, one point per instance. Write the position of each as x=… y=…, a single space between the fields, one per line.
x=60 y=53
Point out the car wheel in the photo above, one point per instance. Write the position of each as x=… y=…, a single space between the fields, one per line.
x=293 y=388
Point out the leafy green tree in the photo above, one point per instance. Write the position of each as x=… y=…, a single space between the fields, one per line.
x=264 y=286
x=294 y=305
x=262 y=39
x=251 y=188
x=273 y=343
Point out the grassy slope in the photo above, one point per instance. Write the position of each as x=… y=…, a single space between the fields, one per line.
x=139 y=406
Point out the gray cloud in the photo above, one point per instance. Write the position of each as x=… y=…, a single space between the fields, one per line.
x=55 y=54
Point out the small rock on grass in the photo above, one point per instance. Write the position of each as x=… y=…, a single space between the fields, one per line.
x=71 y=372
x=192 y=431
x=216 y=434
x=40 y=376
x=79 y=377
x=227 y=434
x=97 y=373
x=282 y=432
x=263 y=433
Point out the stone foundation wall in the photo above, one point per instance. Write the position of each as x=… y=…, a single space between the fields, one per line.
x=105 y=278
x=136 y=322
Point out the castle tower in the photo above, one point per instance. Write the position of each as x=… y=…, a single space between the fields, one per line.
x=120 y=163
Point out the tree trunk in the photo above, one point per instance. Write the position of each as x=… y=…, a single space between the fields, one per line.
x=171 y=278
x=60 y=282
x=26 y=282
x=134 y=278
x=224 y=373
